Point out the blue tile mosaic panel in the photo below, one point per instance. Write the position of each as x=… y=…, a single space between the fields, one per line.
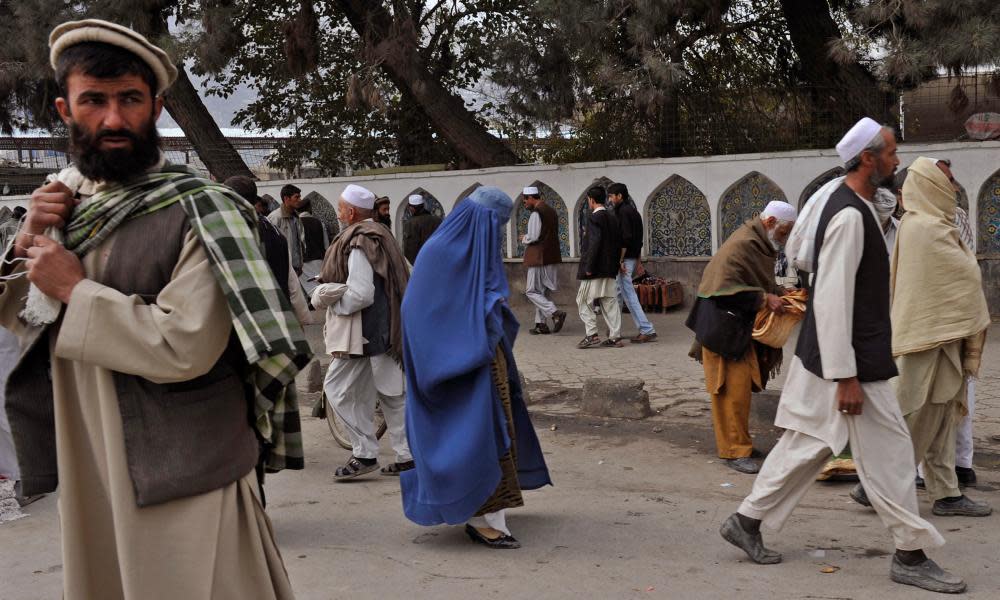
x=988 y=238
x=679 y=220
x=522 y=214
x=745 y=200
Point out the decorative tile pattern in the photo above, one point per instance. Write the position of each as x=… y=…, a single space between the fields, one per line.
x=744 y=200
x=325 y=211
x=817 y=183
x=679 y=220
x=522 y=214
x=988 y=238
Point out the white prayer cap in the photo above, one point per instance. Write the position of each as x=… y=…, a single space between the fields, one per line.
x=859 y=136
x=530 y=191
x=356 y=195
x=415 y=200
x=782 y=211
x=95 y=30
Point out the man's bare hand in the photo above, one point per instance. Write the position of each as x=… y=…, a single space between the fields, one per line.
x=850 y=398
x=774 y=303
x=53 y=269
x=51 y=206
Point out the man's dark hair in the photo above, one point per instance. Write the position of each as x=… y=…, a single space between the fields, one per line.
x=101 y=60
x=306 y=205
x=289 y=190
x=597 y=194
x=18 y=212
x=618 y=188
x=900 y=179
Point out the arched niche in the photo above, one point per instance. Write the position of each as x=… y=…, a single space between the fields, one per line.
x=745 y=200
x=503 y=242
x=817 y=183
x=326 y=212
x=582 y=210
x=522 y=214
x=988 y=216
x=270 y=202
x=403 y=214
x=678 y=220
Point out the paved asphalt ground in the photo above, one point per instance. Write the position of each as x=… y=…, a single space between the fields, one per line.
x=634 y=512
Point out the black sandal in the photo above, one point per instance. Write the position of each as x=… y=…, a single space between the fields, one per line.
x=540 y=329
x=354 y=468
x=504 y=542
x=396 y=468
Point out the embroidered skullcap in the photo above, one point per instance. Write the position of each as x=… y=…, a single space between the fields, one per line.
x=782 y=211
x=858 y=138
x=530 y=191
x=95 y=30
x=355 y=195
x=415 y=200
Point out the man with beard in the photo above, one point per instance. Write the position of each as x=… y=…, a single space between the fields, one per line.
x=737 y=282
x=169 y=331
x=382 y=212
x=838 y=386
x=419 y=228
x=541 y=255
x=363 y=280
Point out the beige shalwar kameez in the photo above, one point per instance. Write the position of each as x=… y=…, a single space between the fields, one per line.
x=217 y=545
x=816 y=430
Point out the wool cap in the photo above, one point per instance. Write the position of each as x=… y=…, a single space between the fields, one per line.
x=95 y=30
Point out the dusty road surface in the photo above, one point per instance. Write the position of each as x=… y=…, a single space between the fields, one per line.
x=634 y=512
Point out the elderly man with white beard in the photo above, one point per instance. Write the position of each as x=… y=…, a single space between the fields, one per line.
x=737 y=282
x=838 y=388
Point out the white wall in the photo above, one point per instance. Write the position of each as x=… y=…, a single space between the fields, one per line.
x=972 y=162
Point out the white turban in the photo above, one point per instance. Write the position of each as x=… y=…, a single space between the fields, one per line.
x=415 y=200
x=782 y=211
x=858 y=138
x=356 y=195
x=530 y=191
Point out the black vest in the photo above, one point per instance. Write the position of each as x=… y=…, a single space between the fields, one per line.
x=871 y=334
x=375 y=321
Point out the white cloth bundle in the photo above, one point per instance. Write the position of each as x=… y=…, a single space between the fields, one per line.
x=40 y=309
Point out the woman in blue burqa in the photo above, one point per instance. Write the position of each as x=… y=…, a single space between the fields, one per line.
x=472 y=439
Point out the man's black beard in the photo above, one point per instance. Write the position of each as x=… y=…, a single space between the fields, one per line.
x=118 y=164
x=385 y=220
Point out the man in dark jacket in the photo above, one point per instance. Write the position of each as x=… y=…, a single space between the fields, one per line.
x=599 y=264
x=419 y=228
x=631 y=226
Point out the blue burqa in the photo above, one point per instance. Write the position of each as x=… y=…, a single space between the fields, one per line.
x=455 y=315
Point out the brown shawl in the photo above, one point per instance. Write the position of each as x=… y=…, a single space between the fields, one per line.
x=744 y=263
x=376 y=241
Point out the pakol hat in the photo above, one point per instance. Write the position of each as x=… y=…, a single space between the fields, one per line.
x=95 y=30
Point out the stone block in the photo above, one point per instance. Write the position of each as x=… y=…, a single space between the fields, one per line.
x=618 y=398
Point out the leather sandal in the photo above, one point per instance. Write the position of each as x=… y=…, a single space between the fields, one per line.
x=354 y=468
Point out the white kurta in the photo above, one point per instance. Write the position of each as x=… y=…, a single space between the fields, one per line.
x=352 y=385
x=816 y=430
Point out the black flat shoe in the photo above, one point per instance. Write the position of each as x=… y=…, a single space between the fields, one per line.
x=504 y=542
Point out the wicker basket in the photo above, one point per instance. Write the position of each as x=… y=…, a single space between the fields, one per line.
x=773 y=329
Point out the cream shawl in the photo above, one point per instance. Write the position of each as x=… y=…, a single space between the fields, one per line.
x=937 y=288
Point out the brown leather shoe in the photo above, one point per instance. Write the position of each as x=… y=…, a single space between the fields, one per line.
x=643 y=338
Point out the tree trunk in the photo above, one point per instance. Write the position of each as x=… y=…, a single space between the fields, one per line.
x=398 y=57
x=186 y=107
x=848 y=91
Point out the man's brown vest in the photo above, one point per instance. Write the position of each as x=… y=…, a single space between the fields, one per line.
x=181 y=439
x=546 y=250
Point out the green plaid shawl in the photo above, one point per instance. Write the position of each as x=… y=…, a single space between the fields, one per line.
x=271 y=336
